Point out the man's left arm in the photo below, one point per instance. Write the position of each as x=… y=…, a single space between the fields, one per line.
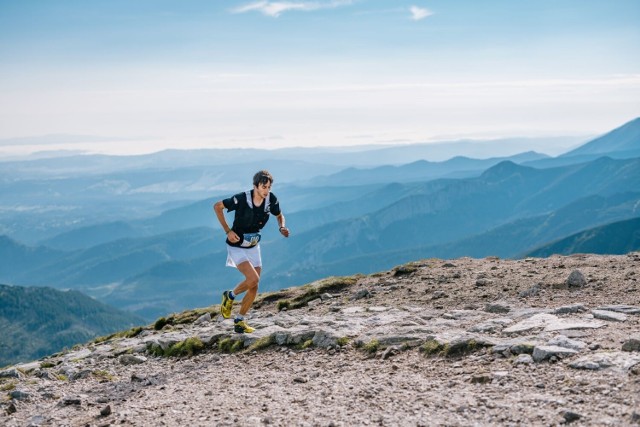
x=281 y=223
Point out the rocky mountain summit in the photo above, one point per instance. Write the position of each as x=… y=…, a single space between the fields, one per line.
x=538 y=341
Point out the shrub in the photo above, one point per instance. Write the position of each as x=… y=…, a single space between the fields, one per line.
x=160 y=323
x=372 y=346
x=282 y=304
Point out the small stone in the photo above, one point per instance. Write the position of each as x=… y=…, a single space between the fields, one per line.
x=205 y=318
x=573 y=308
x=138 y=378
x=19 y=395
x=570 y=416
x=71 y=400
x=532 y=291
x=362 y=293
x=390 y=351
x=106 y=411
x=129 y=359
x=576 y=280
x=523 y=359
x=11 y=409
x=10 y=373
x=632 y=344
x=300 y=380
x=497 y=307
x=483 y=282
x=635 y=417
x=439 y=294
x=85 y=373
x=314 y=302
x=480 y=379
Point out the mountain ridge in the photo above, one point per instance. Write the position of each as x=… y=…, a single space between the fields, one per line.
x=433 y=341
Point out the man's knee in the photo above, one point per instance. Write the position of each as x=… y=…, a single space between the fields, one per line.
x=253 y=282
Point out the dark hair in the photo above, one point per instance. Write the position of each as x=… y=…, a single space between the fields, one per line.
x=262 y=177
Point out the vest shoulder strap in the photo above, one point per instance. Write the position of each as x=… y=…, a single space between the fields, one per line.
x=267 y=201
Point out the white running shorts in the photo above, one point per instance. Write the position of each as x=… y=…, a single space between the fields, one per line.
x=236 y=256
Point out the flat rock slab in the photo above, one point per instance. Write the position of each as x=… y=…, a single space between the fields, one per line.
x=549 y=323
x=609 y=359
x=621 y=308
x=545 y=352
x=609 y=315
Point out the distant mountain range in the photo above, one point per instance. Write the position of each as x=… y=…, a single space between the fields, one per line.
x=152 y=255
x=40 y=321
x=622 y=141
x=620 y=237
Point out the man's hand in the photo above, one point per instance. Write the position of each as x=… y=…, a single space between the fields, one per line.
x=233 y=237
x=284 y=231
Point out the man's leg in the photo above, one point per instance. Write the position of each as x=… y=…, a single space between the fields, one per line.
x=249 y=284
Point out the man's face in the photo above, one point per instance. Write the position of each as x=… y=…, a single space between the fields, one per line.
x=264 y=189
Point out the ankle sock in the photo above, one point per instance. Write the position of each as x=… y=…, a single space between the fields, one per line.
x=231 y=295
x=238 y=318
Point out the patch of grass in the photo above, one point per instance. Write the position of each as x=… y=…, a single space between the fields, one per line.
x=342 y=341
x=272 y=296
x=283 y=304
x=452 y=349
x=316 y=289
x=372 y=346
x=460 y=348
x=225 y=344
x=133 y=332
x=130 y=333
x=431 y=347
x=237 y=346
x=47 y=365
x=306 y=344
x=405 y=270
x=188 y=316
x=262 y=343
x=186 y=348
x=103 y=375
x=61 y=377
x=11 y=385
x=230 y=345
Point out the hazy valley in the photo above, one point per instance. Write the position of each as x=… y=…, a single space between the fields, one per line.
x=138 y=233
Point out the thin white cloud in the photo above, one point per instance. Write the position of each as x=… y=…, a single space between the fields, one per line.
x=276 y=8
x=419 y=13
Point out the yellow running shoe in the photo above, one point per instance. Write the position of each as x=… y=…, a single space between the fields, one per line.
x=241 y=327
x=226 y=305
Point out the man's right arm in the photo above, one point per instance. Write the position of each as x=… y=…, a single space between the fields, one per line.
x=218 y=208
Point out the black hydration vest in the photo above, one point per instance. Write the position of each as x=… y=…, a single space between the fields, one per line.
x=249 y=219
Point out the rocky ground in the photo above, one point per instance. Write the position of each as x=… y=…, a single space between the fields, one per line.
x=436 y=342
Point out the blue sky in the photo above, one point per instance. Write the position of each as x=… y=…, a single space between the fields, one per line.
x=142 y=75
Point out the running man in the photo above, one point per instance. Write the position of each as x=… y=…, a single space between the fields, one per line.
x=252 y=209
